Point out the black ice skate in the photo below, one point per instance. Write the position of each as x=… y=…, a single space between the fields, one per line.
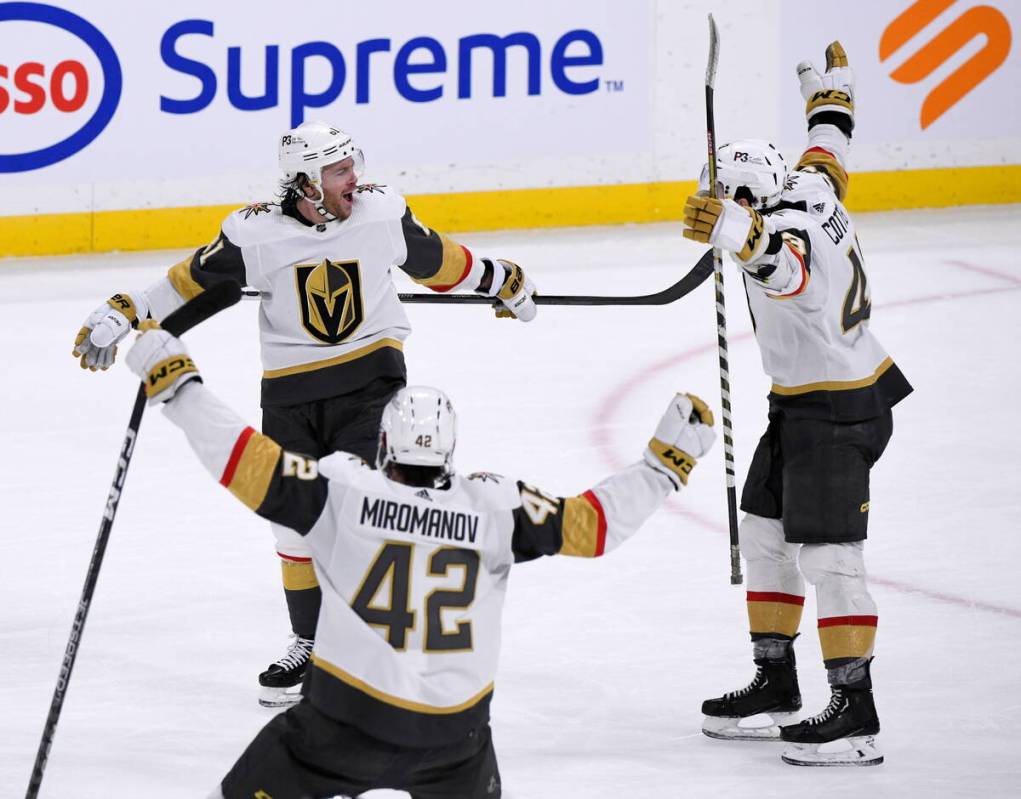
x=774 y=693
x=842 y=735
x=281 y=682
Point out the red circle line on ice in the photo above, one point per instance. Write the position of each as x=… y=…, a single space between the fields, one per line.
x=607 y=408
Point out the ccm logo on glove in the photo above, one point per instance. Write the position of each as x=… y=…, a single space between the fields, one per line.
x=166 y=372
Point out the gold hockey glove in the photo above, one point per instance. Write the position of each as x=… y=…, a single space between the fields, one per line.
x=831 y=91
x=725 y=224
x=161 y=361
x=96 y=342
x=684 y=434
x=515 y=293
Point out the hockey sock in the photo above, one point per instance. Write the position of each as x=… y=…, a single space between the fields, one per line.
x=301 y=589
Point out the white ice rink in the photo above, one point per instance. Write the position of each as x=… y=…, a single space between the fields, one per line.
x=605 y=663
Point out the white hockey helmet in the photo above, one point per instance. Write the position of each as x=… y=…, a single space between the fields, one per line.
x=418 y=428
x=749 y=169
x=313 y=145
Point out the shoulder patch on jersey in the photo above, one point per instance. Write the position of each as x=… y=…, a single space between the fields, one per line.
x=370 y=188
x=254 y=209
x=485 y=477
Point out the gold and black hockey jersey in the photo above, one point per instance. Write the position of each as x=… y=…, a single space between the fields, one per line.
x=330 y=320
x=413 y=579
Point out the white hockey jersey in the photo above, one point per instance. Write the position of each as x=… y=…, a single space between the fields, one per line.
x=330 y=320
x=413 y=579
x=810 y=305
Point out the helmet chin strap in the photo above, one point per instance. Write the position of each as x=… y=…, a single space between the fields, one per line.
x=319 y=203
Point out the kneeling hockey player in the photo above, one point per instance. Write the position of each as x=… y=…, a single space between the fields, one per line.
x=413 y=561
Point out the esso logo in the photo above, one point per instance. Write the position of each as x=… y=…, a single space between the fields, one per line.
x=60 y=83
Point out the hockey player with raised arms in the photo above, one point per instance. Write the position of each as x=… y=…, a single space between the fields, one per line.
x=806 y=496
x=413 y=560
x=331 y=325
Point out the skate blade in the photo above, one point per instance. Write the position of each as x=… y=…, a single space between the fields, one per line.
x=760 y=727
x=854 y=751
x=279 y=697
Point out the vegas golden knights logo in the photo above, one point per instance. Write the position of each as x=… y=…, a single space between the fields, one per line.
x=330 y=295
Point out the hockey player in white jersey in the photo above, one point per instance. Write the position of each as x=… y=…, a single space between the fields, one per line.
x=806 y=496
x=413 y=560
x=331 y=326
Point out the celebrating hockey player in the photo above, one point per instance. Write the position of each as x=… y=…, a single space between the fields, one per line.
x=413 y=560
x=806 y=496
x=331 y=325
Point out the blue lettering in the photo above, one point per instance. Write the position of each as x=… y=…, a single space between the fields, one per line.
x=498 y=46
x=300 y=100
x=416 y=58
x=560 y=61
x=188 y=66
x=271 y=94
x=363 y=51
x=403 y=68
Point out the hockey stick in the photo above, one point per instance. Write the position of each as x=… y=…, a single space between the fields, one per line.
x=692 y=280
x=202 y=307
x=721 y=313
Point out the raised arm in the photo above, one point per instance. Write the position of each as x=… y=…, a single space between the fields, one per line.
x=281 y=486
x=604 y=517
x=829 y=108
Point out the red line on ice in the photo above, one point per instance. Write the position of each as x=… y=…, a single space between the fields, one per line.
x=606 y=410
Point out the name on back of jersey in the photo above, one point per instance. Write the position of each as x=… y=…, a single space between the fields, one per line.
x=382 y=516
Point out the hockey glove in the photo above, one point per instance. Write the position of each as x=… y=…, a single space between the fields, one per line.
x=725 y=224
x=833 y=91
x=684 y=434
x=162 y=362
x=96 y=342
x=514 y=292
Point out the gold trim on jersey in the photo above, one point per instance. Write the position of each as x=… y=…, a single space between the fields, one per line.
x=298 y=575
x=182 y=281
x=774 y=617
x=847 y=641
x=580 y=528
x=834 y=385
x=405 y=704
x=817 y=160
x=254 y=472
x=452 y=267
x=347 y=357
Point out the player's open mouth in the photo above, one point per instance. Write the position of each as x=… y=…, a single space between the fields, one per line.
x=349 y=196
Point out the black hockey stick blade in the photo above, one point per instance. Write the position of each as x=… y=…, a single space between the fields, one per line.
x=691 y=281
x=212 y=300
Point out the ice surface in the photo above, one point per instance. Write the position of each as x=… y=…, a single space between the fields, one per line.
x=605 y=663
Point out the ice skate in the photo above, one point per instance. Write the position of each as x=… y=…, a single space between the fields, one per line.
x=757 y=711
x=281 y=682
x=844 y=734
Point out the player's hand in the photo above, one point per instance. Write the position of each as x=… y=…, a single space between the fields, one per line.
x=725 y=224
x=834 y=85
x=515 y=294
x=683 y=435
x=96 y=342
x=161 y=361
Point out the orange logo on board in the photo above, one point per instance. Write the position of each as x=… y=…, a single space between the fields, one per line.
x=976 y=21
